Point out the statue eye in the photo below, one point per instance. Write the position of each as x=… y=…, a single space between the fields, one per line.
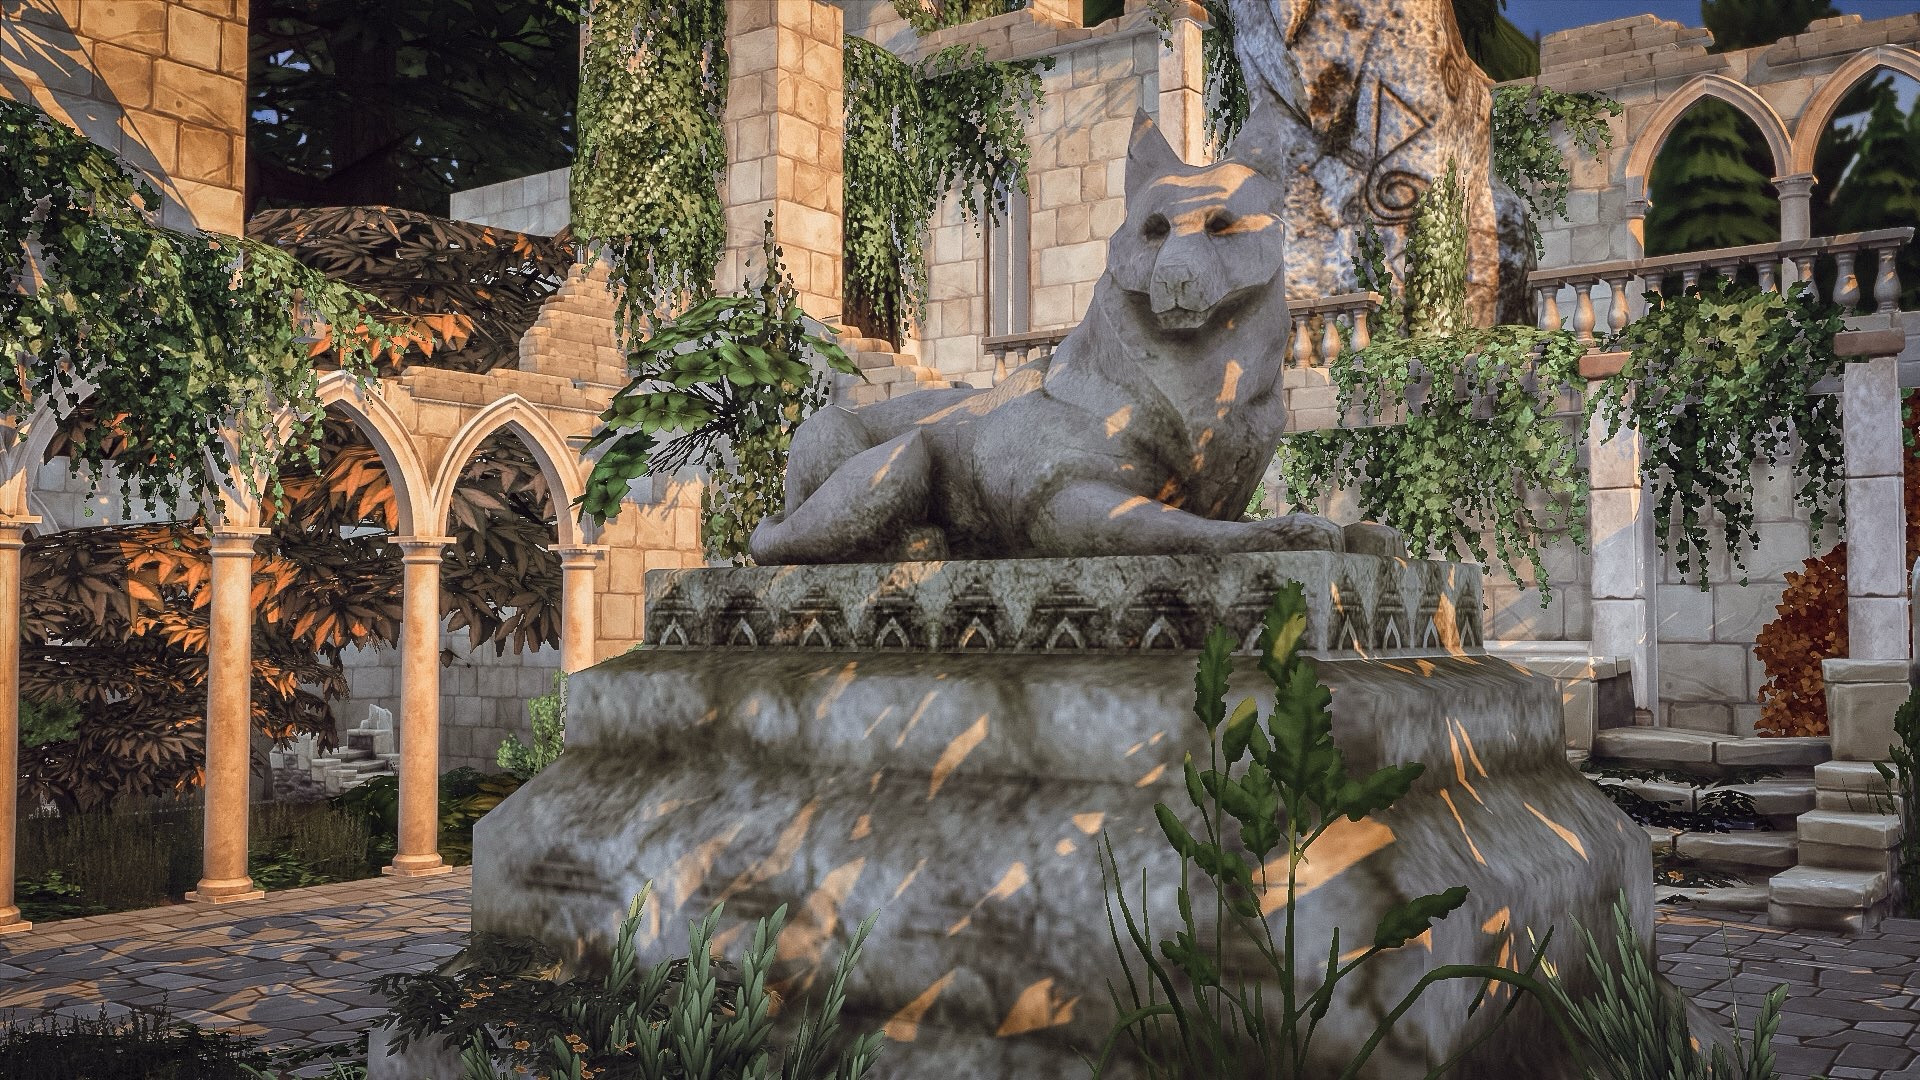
x=1220 y=221
x=1156 y=227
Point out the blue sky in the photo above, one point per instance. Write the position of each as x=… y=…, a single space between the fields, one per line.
x=1546 y=16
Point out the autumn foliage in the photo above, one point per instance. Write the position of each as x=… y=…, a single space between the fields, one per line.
x=1812 y=621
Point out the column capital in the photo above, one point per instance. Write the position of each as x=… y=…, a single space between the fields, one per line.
x=420 y=548
x=235 y=540
x=13 y=530
x=581 y=556
x=1795 y=183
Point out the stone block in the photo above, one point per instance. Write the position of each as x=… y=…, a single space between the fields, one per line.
x=1772 y=850
x=205 y=155
x=193 y=38
x=1782 y=546
x=1847 y=857
x=1819 y=887
x=1857 y=777
x=1620 y=569
x=140 y=25
x=1684 y=613
x=1876 y=831
x=200 y=97
x=1690 y=672
x=1877 y=626
x=1739 y=611
x=1876 y=552
x=1776 y=753
x=1862 y=696
x=1655 y=745
x=1710 y=717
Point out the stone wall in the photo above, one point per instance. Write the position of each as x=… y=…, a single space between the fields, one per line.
x=536 y=204
x=161 y=83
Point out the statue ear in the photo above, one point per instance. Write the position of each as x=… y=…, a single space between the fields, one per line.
x=1273 y=138
x=1148 y=155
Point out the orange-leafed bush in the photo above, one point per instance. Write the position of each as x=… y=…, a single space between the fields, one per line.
x=1812 y=621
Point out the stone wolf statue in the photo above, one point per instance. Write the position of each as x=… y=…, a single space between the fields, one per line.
x=1145 y=433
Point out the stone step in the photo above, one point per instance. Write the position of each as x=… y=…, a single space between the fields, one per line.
x=854 y=343
x=1756 y=850
x=1706 y=754
x=1850 y=776
x=1857 y=802
x=1825 y=887
x=1721 y=898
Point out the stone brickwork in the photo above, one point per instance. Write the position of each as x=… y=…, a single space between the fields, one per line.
x=536 y=204
x=162 y=83
x=483 y=697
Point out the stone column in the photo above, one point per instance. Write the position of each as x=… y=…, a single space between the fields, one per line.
x=13 y=537
x=229 y=769
x=1636 y=215
x=1623 y=559
x=1183 y=93
x=785 y=130
x=418 y=853
x=1796 y=205
x=1876 y=526
x=577 y=634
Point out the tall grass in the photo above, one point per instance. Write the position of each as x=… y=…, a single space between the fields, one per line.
x=141 y=854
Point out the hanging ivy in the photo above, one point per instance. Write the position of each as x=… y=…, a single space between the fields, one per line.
x=1528 y=158
x=185 y=338
x=1480 y=434
x=653 y=87
x=731 y=370
x=955 y=122
x=1228 y=102
x=1717 y=379
x=926 y=16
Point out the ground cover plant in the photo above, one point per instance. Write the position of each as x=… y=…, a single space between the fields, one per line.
x=507 y=1005
x=1295 y=786
x=151 y=1044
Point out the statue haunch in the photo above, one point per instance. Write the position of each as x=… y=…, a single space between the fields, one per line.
x=1146 y=431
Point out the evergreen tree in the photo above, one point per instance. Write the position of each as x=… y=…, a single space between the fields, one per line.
x=1502 y=50
x=1743 y=24
x=1711 y=184
x=1877 y=184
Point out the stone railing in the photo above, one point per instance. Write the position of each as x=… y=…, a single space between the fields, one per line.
x=1010 y=351
x=1327 y=315
x=1786 y=261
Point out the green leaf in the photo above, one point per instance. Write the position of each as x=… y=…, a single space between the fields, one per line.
x=1406 y=921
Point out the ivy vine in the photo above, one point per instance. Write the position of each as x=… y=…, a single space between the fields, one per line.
x=1717 y=379
x=730 y=371
x=653 y=87
x=193 y=344
x=955 y=122
x=926 y=16
x=1228 y=102
x=1480 y=433
x=1525 y=154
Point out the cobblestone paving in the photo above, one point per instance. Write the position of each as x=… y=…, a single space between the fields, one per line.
x=1853 y=1005
x=296 y=967
x=299 y=966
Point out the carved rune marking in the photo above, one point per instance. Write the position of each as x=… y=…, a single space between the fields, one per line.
x=1393 y=193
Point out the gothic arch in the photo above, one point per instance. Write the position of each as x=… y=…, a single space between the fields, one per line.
x=1647 y=143
x=390 y=438
x=560 y=462
x=1819 y=108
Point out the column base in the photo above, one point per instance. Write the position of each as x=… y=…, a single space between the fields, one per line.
x=416 y=866
x=226 y=891
x=11 y=922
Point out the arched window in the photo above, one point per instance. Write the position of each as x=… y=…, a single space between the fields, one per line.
x=1711 y=183
x=1867 y=171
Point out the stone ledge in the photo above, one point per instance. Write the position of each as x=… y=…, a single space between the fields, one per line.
x=1822 y=887
x=1876 y=831
x=1774 y=850
x=1850 y=776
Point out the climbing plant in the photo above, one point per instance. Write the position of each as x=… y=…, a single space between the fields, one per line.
x=1480 y=434
x=1226 y=85
x=926 y=16
x=1527 y=156
x=729 y=370
x=1717 y=379
x=955 y=122
x=192 y=343
x=653 y=86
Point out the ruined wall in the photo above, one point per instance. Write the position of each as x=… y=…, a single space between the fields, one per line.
x=159 y=82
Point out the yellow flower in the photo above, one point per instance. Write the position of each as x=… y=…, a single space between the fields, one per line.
x=521 y=1044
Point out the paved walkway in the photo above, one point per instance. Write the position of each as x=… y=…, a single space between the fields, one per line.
x=298 y=967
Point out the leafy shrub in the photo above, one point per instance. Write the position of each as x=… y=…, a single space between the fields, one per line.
x=143 y=1045
x=549 y=715
x=1903 y=776
x=1293 y=790
x=1636 y=1028
x=674 y=1020
x=50 y=896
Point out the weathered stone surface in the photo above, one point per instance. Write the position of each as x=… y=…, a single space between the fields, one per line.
x=962 y=796
x=1355 y=603
x=1825 y=887
x=1391 y=96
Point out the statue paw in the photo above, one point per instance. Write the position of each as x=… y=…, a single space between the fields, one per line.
x=1373 y=538
x=1301 y=532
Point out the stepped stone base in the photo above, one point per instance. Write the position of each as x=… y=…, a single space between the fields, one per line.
x=963 y=794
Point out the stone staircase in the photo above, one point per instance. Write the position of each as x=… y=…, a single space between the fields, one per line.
x=1698 y=767
x=368 y=751
x=1829 y=859
x=889 y=373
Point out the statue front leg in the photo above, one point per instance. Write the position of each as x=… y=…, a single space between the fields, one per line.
x=1093 y=518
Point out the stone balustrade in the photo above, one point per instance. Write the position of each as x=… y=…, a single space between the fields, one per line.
x=1010 y=351
x=1317 y=323
x=1772 y=264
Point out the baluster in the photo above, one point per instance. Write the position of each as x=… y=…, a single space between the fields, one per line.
x=1329 y=338
x=1689 y=278
x=1552 y=294
x=1765 y=269
x=1886 y=283
x=1846 y=286
x=1617 y=317
x=1302 y=345
x=1362 y=337
x=1583 y=310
